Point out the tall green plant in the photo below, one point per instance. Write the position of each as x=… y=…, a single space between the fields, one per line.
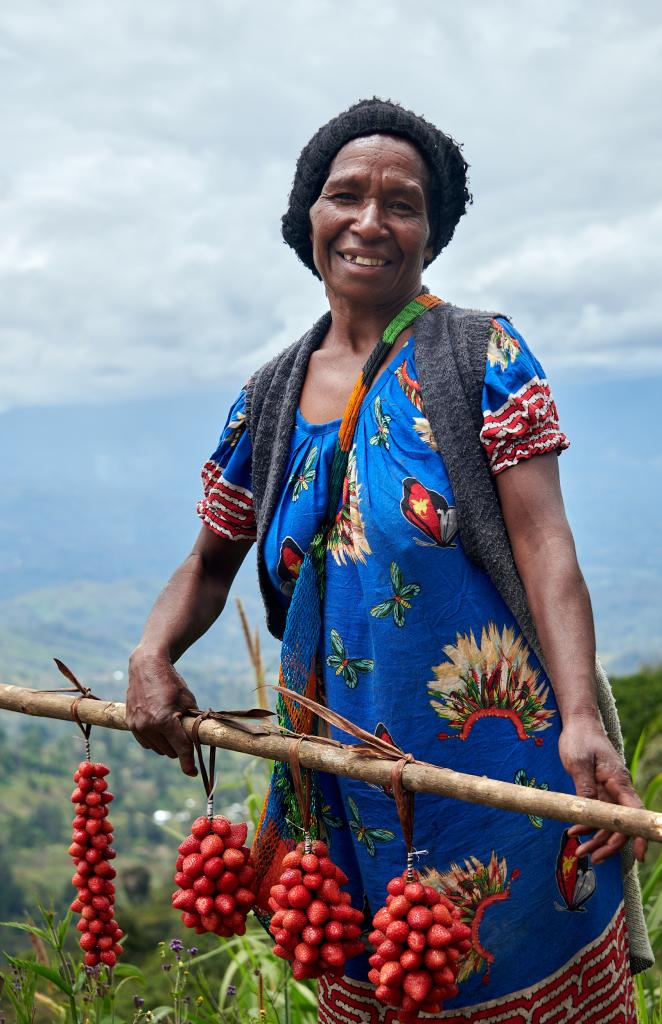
x=81 y=995
x=648 y=986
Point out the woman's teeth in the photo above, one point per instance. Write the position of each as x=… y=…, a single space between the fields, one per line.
x=363 y=261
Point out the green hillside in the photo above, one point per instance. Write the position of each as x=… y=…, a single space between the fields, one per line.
x=93 y=627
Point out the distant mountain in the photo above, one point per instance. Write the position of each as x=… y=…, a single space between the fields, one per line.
x=97 y=506
x=93 y=627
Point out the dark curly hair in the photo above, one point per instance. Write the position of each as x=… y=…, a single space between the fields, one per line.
x=448 y=195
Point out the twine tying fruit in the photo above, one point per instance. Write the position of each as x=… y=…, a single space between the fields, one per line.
x=302 y=790
x=404 y=804
x=214 y=870
x=207 y=776
x=84 y=691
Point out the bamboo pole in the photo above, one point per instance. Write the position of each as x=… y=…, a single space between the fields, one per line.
x=418 y=777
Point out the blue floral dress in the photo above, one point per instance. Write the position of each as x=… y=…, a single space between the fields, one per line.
x=419 y=647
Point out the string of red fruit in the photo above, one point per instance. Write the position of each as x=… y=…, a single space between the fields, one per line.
x=418 y=934
x=313 y=922
x=419 y=939
x=92 y=852
x=215 y=877
x=214 y=871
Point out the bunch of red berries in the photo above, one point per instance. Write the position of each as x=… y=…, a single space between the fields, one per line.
x=419 y=940
x=313 y=923
x=92 y=852
x=216 y=877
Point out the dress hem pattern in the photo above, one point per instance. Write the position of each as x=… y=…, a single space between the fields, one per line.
x=595 y=987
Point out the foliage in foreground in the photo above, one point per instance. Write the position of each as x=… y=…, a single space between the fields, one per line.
x=254 y=986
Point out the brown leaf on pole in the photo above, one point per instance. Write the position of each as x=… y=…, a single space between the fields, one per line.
x=371 y=745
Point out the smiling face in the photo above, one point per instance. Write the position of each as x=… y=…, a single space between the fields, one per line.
x=369 y=226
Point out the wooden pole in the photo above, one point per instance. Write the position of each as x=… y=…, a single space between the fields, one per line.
x=418 y=777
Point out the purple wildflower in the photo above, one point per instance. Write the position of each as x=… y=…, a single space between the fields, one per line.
x=176 y=945
x=138 y=1002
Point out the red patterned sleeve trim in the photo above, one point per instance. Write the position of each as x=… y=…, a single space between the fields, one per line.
x=226 y=508
x=527 y=424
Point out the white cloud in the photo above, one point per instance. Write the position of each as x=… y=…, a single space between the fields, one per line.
x=149 y=150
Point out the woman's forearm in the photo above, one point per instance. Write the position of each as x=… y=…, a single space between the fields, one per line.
x=189 y=604
x=545 y=556
x=561 y=608
x=193 y=598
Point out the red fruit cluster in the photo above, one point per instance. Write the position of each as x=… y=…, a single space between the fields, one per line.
x=91 y=852
x=314 y=923
x=216 y=877
x=419 y=940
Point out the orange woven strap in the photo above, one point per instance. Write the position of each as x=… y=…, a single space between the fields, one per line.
x=400 y=322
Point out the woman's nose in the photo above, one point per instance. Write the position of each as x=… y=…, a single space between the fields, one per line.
x=369 y=220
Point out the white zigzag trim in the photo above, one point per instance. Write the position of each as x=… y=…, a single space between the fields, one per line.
x=224 y=531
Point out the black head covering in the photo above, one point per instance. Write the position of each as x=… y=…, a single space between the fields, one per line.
x=448 y=194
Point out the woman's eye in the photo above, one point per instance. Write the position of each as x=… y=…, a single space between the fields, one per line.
x=400 y=204
x=344 y=196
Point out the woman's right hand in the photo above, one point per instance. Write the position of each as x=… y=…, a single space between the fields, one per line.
x=155 y=693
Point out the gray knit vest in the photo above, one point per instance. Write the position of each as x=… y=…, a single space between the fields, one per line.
x=450 y=347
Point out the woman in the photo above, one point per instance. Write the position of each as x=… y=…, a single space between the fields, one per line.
x=426 y=634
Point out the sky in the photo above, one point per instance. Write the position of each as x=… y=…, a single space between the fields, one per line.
x=149 y=150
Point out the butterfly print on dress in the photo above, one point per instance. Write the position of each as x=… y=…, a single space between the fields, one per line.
x=403 y=593
x=522 y=779
x=289 y=565
x=345 y=666
x=430 y=513
x=382 y=733
x=363 y=833
x=574 y=877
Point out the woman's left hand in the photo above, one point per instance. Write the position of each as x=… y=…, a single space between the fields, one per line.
x=598 y=773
